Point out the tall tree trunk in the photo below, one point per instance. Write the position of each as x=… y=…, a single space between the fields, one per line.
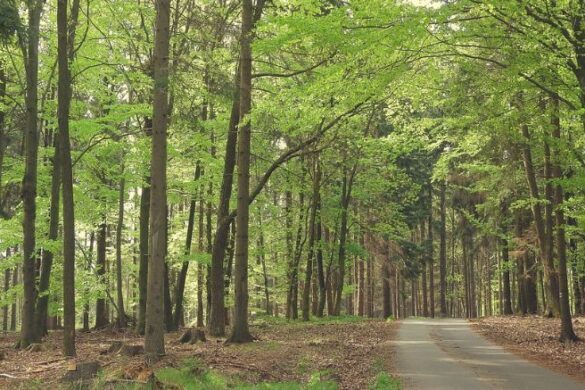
x=200 y=267
x=240 y=330
x=154 y=343
x=47 y=255
x=346 y=189
x=507 y=301
x=386 y=291
x=567 y=333
x=425 y=264
x=431 y=255
x=88 y=269
x=119 y=230
x=443 y=252
x=319 y=246
x=262 y=258
x=550 y=280
x=181 y=280
x=306 y=304
x=29 y=182
x=101 y=316
x=14 y=308
x=216 y=277
x=144 y=221
x=64 y=101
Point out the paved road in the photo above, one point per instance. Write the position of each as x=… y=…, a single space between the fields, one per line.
x=447 y=354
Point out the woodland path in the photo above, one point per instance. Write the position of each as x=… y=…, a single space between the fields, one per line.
x=448 y=354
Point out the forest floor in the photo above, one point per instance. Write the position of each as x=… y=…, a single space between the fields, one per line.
x=344 y=353
x=537 y=339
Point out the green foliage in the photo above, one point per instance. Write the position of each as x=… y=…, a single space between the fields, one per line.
x=10 y=23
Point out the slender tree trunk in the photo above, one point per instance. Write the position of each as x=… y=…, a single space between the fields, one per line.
x=154 y=343
x=567 y=333
x=180 y=290
x=14 y=308
x=88 y=269
x=47 y=255
x=200 y=267
x=216 y=277
x=431 y=255
x=29 y=182
x=262 y=258
x=539 y=222
x=507 y=301
x=101 y=316
x=386 y=292
x=240 y=330
x=119 y=229
x=319 y=246
x=64 y=100
x=345 y=201
x=144 y=221
x=443 y=252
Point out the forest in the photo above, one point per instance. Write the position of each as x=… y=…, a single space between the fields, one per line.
x=248 y=185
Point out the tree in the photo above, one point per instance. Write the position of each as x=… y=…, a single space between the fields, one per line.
x=30 y=49
x=240 y=330
x=154 y=345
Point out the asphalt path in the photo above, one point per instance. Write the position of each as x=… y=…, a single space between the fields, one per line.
x=448 y=354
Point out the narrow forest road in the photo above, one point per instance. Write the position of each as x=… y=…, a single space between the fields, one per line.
x=447 y=354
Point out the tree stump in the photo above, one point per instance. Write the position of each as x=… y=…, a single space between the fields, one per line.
x=81 y=371
x=192 y=335
x=131 y=350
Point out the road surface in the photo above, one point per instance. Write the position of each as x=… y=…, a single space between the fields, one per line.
x=447 y=354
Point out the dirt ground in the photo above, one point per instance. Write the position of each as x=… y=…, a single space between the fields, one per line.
x=348 y=353
x=537 y=339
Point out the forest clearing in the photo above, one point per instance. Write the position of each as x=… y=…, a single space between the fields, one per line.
x=304 y=194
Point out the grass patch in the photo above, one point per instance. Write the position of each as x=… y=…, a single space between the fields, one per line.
x=191 y=375
x=385 y=381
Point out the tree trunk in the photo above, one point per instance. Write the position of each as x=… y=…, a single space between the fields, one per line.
x=47 y=255
x=216 y=278
x=347 y=185
x=29 y=182
x=507 y=301
x=567 y=333
x=549 y=271
x=144 y=221
x=181 y=280
x=443 y=252
x=119 y=229
x=88 y=269
x=154 y=343
x=64 y=100
x=240 y=330
x=101 y=316
x=431 y=254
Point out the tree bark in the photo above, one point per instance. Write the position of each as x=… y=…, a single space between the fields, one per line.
x=29 y=182
x=101 y=316
x=154 y=343
x=144 y=221
x=240 y=330
x=443 y=252
x=550 y=280
x=507 y=293
x=64 y=100
x=346 y=189
x=119 y=230
x=181 y=280
x=567 y=333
